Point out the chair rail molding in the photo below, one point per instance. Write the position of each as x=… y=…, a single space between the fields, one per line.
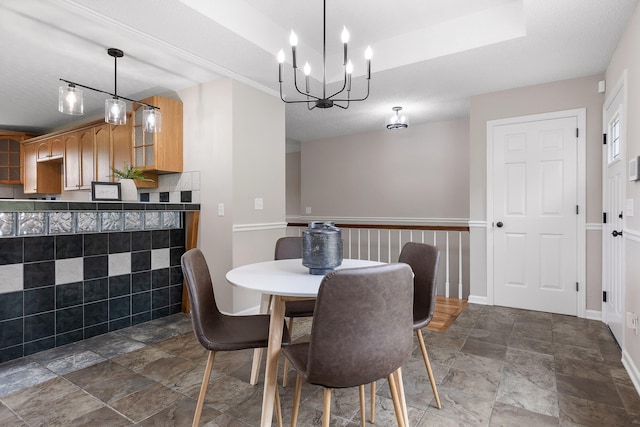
x=259 y=226
x=382 y=220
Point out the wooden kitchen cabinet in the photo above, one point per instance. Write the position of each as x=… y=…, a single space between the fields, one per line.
x=79 y=167
x=50 y=149
x=11 y=156
x=160 y=151
x=102 y=151
x=40 y=176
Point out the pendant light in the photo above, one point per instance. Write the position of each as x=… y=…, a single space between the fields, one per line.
x=70 y=101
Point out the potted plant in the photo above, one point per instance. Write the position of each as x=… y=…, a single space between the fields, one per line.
x=127 y=177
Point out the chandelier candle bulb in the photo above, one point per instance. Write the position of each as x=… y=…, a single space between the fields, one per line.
x=368 y=53
x=280 y=64
x=345 y=39
x=293 y=39
x=307 y=72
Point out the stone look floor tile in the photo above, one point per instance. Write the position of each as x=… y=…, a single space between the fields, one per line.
x=71 y=363
x=589 y=413
x=526 y=391
x=495 y=366
x=585 y=388
x=508 y=416
x=489 y=350
x=146 y=402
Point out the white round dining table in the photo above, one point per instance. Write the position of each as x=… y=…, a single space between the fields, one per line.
x=285 y=280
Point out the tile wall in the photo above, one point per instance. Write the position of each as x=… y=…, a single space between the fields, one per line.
x=57 y=289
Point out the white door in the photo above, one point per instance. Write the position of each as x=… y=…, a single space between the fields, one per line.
x=534 y=215
x=614 y=179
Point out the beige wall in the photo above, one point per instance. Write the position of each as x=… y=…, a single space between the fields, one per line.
x=234 y=135
x=293 y=184
x=627 y=56
x=418 y=173
x=556 y=96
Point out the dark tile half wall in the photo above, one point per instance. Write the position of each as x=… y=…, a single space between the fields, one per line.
x=78 y=286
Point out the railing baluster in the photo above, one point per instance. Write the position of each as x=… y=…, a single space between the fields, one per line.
x=446 y=280
x=459 y=265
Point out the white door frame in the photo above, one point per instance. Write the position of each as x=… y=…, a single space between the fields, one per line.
x=621 y=86
x=581 y=116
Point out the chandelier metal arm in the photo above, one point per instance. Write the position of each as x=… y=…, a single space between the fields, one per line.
x=295 y=83
x=344 y=85
x=111 y=94
x=355 y=99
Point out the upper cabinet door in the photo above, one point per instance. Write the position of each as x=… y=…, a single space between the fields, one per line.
x=161 y=151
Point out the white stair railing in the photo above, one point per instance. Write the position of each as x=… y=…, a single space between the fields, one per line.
x=380 y=242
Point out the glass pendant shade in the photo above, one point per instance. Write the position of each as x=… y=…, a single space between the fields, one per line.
x=151 y=120
x=70 y=100
x=115 y=111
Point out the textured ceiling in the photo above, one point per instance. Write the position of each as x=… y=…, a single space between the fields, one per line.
x=430 y=56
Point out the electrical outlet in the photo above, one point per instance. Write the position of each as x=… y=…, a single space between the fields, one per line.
x=220 y=209
x=258 y=203
x=307 y=210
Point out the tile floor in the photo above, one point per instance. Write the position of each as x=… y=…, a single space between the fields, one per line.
x=495 y=367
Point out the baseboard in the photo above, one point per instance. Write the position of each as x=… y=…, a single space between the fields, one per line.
x=593 y=315
x=632 y=370
x=474 y=299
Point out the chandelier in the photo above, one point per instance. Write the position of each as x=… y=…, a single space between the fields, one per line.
x=325 y=101
x=70 y=101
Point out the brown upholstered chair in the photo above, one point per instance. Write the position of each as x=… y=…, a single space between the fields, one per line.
x=361 y=332
x=423 y=260
x=215 y=330
x=291 y=248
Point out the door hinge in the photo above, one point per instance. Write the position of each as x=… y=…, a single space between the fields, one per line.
x=604 y=139
x=577 y=210
x=577 y=132
x=604 y=296
x=604 y=217
x=577 y=287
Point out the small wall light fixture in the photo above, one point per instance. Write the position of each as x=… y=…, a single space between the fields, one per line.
x=396 y=120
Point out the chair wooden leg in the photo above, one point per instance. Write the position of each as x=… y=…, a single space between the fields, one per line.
x=432 y=379
x=286 y=361
x=372 y=414
x=403 y=400
x=326 y=409
x=397 y=406
x=278 y=408
x=296 y=401
x=362 y=405
x=203 y=388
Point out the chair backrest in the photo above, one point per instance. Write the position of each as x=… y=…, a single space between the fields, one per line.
x=204 y=310
x=288 y=248
x=423 y=260
x=362 y=326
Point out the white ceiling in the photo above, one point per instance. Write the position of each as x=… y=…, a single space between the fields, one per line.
x=430 y=56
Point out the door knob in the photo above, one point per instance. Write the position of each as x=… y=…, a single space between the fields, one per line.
x=499 y=224
x=616 y=233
